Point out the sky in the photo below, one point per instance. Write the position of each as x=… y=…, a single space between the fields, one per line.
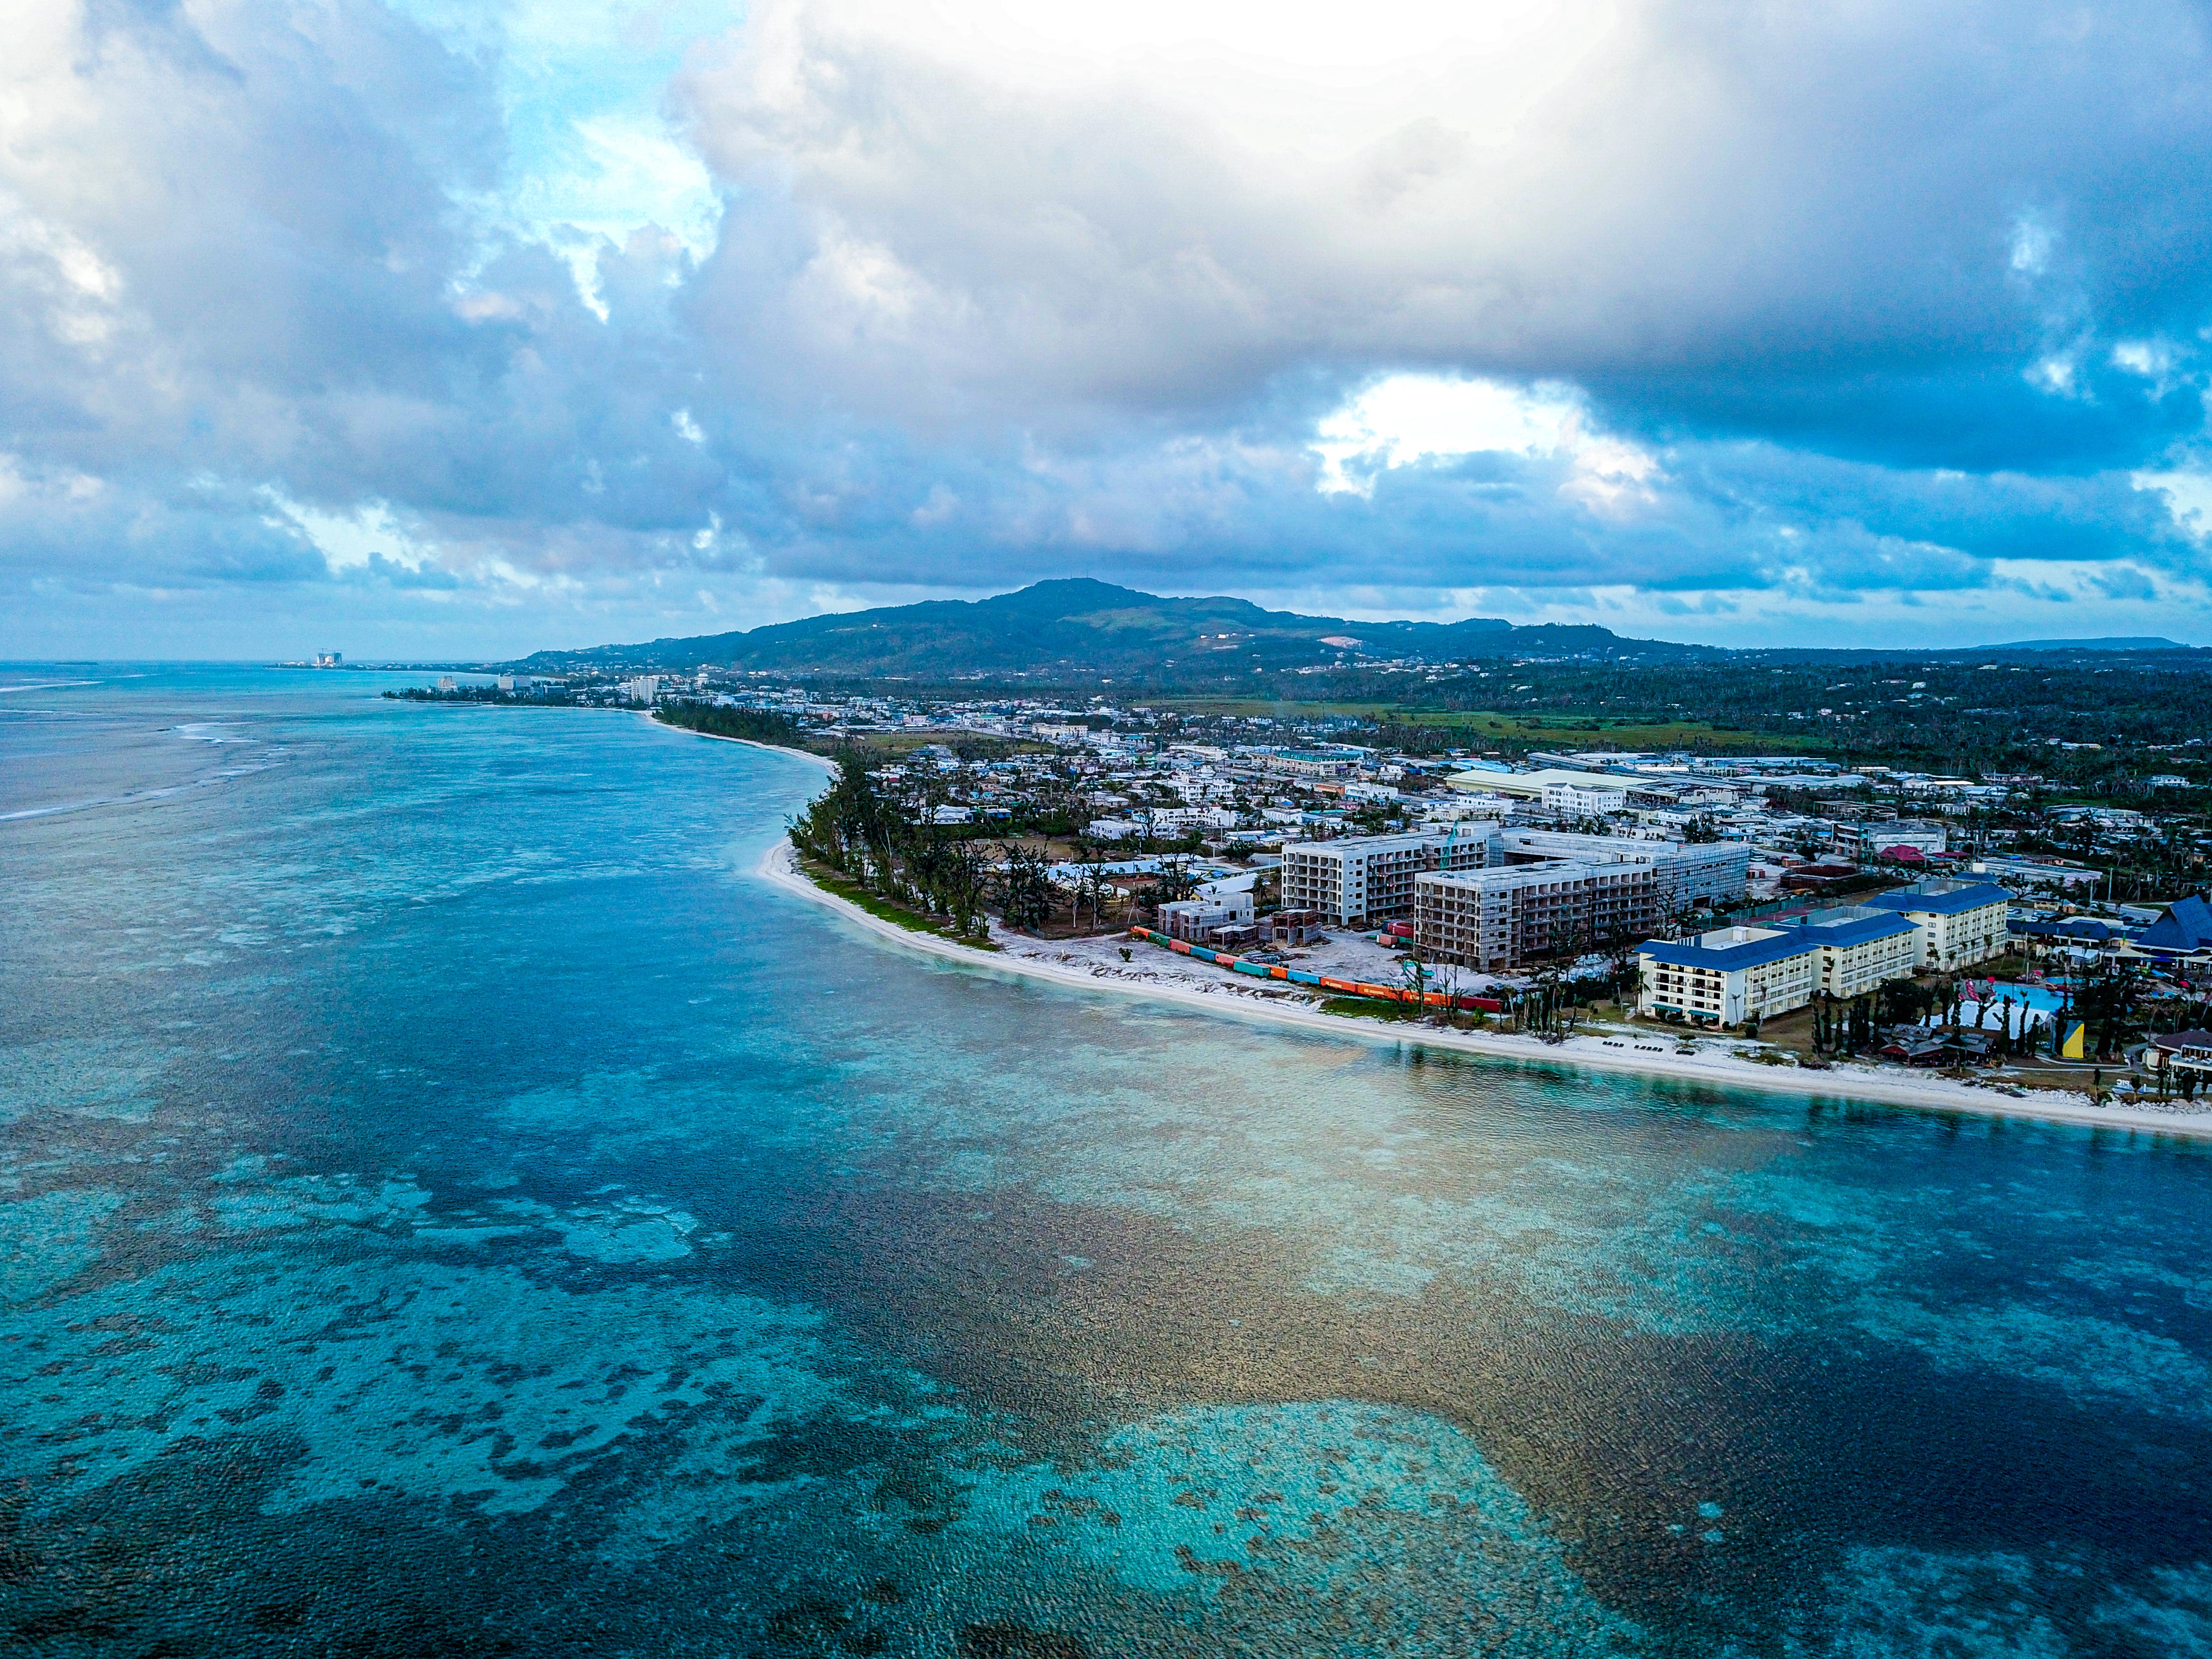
x=462 y=329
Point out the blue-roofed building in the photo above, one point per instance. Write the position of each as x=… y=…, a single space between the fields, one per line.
x=2184 y=930
x=1728 y=976
x=2087 y=932
x=1960 y=922
x=1861 y=947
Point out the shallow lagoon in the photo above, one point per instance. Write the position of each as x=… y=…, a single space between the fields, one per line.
x=453 y=1205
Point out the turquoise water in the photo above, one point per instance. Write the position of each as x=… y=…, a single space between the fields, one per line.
x=453 y=1205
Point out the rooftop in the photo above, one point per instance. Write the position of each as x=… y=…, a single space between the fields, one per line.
x=1726 y=949
x=2186 y=926
x=1853 y=924
x=1942 y=898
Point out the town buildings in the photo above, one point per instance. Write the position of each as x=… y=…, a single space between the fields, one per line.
x=1958 y=923
x=1361 y=879
x=1861 y=947
x=1866 y=840
x=1496 y=921
x=1200 y=919
x=1684 y=874
x=1729 y=974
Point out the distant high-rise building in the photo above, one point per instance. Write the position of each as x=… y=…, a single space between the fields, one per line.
x=329 y=658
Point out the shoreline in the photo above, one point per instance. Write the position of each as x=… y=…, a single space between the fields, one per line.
x=778 y=867
x=822 y=761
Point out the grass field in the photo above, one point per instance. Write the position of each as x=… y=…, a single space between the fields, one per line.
x=1569 y=730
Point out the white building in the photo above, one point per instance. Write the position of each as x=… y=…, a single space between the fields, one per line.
x=1528 y=786
x=644 y=689
x=1197 y=919
x=1177 y=820
x=1684 y=872
x=1875 y=836
x=1357 y=790
x=1358 y=879
x=1729 y=974
x=1861 y=947
x=2032 y=874
x=1581 y=797
x=1958 y=922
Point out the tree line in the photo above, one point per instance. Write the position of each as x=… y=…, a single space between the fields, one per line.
x=753 y=725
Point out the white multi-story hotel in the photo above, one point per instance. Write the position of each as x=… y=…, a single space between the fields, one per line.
x=1359 y=879
x=1861 y=948
x=1958 y=922
x=1729 y=974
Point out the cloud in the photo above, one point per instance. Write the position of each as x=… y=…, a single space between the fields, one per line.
x=561 y=320
x=1704 y=215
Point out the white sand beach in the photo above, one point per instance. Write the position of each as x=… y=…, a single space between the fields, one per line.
x=1096 y=964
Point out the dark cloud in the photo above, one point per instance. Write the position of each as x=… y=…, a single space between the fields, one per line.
x=1887 y=299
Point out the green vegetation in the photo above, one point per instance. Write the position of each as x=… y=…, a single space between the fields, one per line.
x=829 y=881
x=1068 y=631
x=1367 y=1008
x=752 y=724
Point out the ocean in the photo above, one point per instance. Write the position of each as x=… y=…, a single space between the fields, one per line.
x=453 y=1205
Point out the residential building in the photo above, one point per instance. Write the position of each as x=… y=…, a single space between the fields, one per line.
x=1729 y=974
x=1960 y=922
x=1293 y=926
x=1198 y=918
x=2168 y=1055
x=1685 y=873
x=1869 y=839
x=1580 y=797
x=1357 y=879
x=1496 y=921
x=1861 y=947
x=1302 y=765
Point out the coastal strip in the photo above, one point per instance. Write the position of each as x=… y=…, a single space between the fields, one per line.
x=822 y=761
x=1028 y=957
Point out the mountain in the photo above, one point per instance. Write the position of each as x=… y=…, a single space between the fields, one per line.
x=2117 y=642
x=1079 y=627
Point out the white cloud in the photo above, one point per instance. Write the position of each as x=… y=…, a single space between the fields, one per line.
x=2188 y=499
x=1402 y=419
x=346 y=541
x=2033 y=240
